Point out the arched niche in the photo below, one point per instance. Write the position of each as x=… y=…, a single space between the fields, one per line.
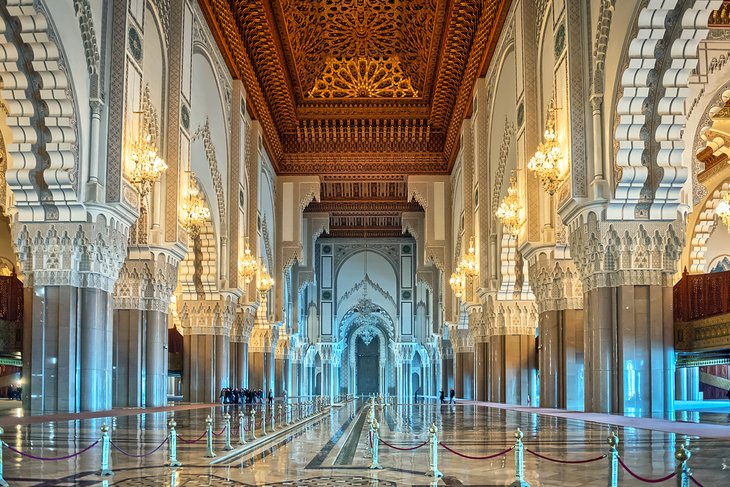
x=380 y=270
x=209 y=146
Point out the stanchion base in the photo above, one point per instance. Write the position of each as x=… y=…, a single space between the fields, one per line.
x=375 y=467
x=434 y=473
x=3 y=483
x=211 y=455
x=519 y=483
x=106 y=473
x=227 y=448
x=174 y=464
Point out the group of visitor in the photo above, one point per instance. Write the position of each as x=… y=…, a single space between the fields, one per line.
x=15 y=392
x=452 y=397
x=246 y=396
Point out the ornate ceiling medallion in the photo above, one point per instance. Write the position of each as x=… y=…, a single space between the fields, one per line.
x=379 y=77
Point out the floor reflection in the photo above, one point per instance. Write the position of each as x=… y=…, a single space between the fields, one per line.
x=332 y=450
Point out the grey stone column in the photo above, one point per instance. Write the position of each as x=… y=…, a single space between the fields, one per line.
x=447 y=374
x=459 y=373
x=626 y=268
x=256 y=369
x=480 y=371
x=561 y=359
x=199 y=374
x=241 y=364
x=278 y=375
x=467 y=367
x=95 y=336
x=128 y=350
x=156 y=363
x=512 y=363
x=222 y=362
x=50 y=331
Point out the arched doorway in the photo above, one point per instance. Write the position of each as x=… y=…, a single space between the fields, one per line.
x=368 y=364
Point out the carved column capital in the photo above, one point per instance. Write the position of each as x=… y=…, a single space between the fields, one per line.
x=208 y=317
x=88 y=254
x=555 y=282
x=511 y=317
x=623 y=253
x=147 y=283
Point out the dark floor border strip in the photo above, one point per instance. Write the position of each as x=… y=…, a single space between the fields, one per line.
x=347 y=453
x=319 y=458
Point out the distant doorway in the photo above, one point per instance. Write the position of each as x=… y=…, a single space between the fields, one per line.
x=368 y=365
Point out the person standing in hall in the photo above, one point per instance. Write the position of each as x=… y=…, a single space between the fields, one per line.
x=271 y=398
x=442 y=398
x=452 y=395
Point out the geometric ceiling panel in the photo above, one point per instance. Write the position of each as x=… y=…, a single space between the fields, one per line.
x=356 y=87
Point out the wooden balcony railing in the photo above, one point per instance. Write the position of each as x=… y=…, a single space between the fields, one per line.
x=698 y=296
x=11 y=298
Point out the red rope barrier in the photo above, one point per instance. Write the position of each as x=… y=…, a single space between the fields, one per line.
x=643 y=479
x=402 y=449
x=132 y=455
x=469 y=457
x=572 y=462
x=50 y=459
x=191 y=441
x=220 y=432
x=695 y=481
x=370 y=437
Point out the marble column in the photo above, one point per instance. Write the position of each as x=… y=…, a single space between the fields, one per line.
x=631 y=367
x=480 y=371
x=629 y=323
x=278 y=375
x=256 y=369
x=458 y=373
x=199 y=368
x=128 y=356
x=240 y=364
x=156 y=364
x=67 y=330
x=140 y=355
x=561 y=359
x=511 y=365
x=222 y=362
x=467 y=370
x=49 y=348
x=447 y=373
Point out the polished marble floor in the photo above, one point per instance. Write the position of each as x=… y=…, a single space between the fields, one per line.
x=331 y=450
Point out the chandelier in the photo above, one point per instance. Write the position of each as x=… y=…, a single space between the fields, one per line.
x=194 y=212
x=545 y=162
x=468 y=264
x=248 y=265
x=148 y=167
x=509 y=210
x=723 y=210
x=266 y=282
x=458 y=282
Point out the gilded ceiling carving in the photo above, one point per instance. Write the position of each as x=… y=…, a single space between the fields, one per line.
x=358 y=86
x=363 y=77
x=343 y=32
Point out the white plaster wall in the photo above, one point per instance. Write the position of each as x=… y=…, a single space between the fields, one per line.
x=378 y=268
x=207 y=103
x=718 y=245
x=267 y=212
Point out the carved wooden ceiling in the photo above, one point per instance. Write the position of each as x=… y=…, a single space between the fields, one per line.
x=371 y=206
x=358 y=86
